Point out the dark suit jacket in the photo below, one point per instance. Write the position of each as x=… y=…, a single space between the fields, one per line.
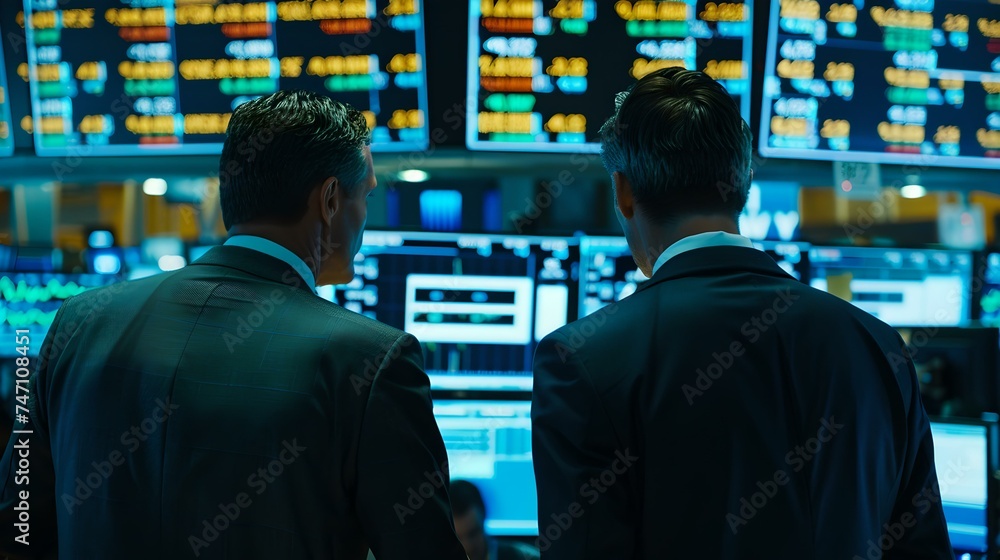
x=225 y=411
x=726 y=410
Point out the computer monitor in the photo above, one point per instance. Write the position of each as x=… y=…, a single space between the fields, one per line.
x=965 y=457
x=957 y=368
x=793 y=258
x=543 y=76
x=177 y=81
x=489 y=444
x=29 y=301
x=479 y=304
x=903 y=287
x=607 y=272
x=987 y=295
x=889 y=81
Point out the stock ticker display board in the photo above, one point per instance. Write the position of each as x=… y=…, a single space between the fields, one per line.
x=6 y=123
x=129 y=77
x=903 y=81
x=544 y=74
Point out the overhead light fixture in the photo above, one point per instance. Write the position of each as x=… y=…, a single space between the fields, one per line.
x=912 y=191
x=171 y=262
x=100 y=239
x=154 y=187
x=107 y=264
x=413 y=175
x=912 y=187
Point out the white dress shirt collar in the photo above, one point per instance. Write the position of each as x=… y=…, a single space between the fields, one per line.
x=699 y=241
x=277 y=251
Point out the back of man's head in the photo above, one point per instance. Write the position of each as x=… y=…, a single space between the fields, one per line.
x=679 y=138
x=280 y=147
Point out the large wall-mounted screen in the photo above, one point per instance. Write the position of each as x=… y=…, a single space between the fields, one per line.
x=6 y=124
x=892 y=81
x=543 y=74
x=131 y=77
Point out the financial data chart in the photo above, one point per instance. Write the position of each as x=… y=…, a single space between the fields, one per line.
x=489 y=444
x=128 y=77
x=962 y=462
x=543 y=74
x=6 y=122
x=30 y=300
x=608 y=272
x=479 y=304
x=903 y=287
x=894 y=81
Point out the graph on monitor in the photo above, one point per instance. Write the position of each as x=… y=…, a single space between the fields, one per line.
x=903 y=287
x=478 y=304
x=489 y=444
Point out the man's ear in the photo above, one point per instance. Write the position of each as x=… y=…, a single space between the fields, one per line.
x=623 y=195
x=329 y=199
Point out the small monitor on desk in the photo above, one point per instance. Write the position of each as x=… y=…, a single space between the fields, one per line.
x=489 y=444
x=965 y=457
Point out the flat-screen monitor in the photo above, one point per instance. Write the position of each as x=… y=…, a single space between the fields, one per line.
x=112 y=78
x=6 y=122
x=965 y=457
x=903 y=287
x=793 y=258
x=883 y=81
x=607 y=272
x=479 y=304
x=958 y=368
x=543 y=75
x=29 y=301
x=489 y=444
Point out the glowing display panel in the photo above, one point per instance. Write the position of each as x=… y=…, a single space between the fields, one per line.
x=29 y=301
x=129 y=77
x=543 y=75
x=478 y=304
x=893 y=81
x=6 y=124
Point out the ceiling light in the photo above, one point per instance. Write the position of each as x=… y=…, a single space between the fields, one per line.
x=413 y=175
x=154 y=187
x=912 y=191
x=171 y=262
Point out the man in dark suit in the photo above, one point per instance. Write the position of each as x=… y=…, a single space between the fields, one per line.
x=724 y=410
x=225 y=410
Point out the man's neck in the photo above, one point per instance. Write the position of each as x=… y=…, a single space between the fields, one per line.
x=657 y=238
x=289 y=237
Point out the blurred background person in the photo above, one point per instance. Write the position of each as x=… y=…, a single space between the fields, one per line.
x=470 y=524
